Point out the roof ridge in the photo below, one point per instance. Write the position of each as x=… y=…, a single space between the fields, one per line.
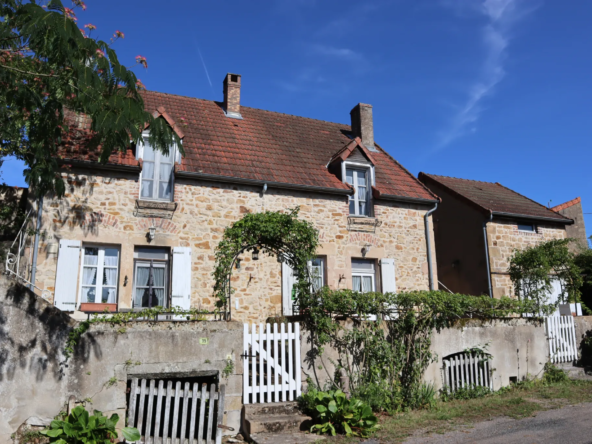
x=534 y=201
x=568 y=204
x=250 y=107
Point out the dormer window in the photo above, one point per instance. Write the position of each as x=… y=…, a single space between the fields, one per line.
x=361 y=177
x=156 y=178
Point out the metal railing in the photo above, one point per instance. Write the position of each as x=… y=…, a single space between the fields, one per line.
x=16 y=267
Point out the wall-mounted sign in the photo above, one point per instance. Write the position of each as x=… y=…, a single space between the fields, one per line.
x=203 y=341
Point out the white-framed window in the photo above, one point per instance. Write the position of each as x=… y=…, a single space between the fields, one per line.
x=317 y=273
x=99 y=273
x=151 y=277
x=529 y=228
x=361 y=177
x=363 y=275
x=156 y=178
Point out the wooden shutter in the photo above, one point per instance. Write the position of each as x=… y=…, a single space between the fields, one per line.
x=287 y=286
x=387 y=272
x=181 y=278
x=67 y=275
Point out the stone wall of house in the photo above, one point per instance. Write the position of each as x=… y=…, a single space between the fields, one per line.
x=577 y=230
x=503 y=238
x=103 y=209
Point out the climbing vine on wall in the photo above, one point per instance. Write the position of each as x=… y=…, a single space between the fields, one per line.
x=280 y=234
x=384 y=359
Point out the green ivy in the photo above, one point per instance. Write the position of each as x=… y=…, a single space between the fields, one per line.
x=534 y=269
x=386 y=359
x=118 y=319
x=273 y=233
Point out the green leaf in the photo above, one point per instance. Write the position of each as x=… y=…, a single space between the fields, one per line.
x=53 y=433
x=131 y=434
x=321 y=408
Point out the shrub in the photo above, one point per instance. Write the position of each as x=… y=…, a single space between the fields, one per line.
x=380 y=396
x=586 y=348
x=469 y=392
x=424 y=397
x=334 y=413
x=80 y=427
x=554 y=375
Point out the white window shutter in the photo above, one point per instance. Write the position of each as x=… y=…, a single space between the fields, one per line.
x=287 y=286
x=181 y=278
x=66 y=276
x=387 y=272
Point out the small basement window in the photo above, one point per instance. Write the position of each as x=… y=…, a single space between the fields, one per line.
x=529 y=228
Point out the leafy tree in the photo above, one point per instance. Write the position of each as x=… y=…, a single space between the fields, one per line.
x=584 y=261
x=52 y=71
x=534 y=269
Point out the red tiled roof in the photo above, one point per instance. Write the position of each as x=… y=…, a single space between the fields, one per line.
x=494 y=197
x=568 y=204
x=266 y=146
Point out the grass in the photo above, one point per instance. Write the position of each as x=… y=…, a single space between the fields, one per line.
x=519 y=401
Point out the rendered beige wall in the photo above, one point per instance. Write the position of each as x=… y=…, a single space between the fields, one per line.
x=503 y=238
x=100 y=209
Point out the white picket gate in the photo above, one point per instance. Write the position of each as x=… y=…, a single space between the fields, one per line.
x=561 y=333
x=182 y=414
x=271 y=363
x=466 y=369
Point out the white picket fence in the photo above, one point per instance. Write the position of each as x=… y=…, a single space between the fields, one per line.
x=271 y=363
x=561 y=333
x=466 y=369
x=182 y=411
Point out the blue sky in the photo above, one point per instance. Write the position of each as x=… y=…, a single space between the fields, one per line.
x=494 y=90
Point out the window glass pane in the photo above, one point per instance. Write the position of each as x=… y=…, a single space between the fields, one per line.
x=148 y=151
x=165 y=171
x=142 y=274
x=146 y=188
x=108 y=296
x=88 y=294
x=148 y=170
x=111 y=256
x=365 y=265
x=110 y=276
x=91 y=256
x=151 y=253
x=361 y=178
x=89 y=276
x=363 y=208
x=366 y=284
x=349 y=176
x=526 y=227
x=356 y=283
x=352 y=206
x=158 y=274
x=164 y=190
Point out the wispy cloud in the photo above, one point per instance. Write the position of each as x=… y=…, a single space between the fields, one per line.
x=338 y=53
x=204 y=66
x=501 y=18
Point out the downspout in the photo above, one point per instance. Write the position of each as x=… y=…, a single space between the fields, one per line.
x=36 y=244
x=487 y=252
x=429 y=245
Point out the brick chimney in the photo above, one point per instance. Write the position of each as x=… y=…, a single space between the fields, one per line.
x=232 y=85
x=362 y=125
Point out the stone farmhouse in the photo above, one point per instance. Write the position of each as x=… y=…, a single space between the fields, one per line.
x=477 y=227
x=145 y=216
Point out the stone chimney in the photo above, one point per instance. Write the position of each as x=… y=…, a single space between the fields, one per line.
x=362 y=125
x=232 y=86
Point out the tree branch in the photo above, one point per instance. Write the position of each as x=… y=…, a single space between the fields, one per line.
x=29 y=72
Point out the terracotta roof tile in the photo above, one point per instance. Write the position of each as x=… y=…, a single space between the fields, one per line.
x=568 y=204
x=263 y=145
x=494 y=197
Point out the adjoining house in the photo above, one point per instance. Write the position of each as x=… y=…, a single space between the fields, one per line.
x=145 y=216
x=477 y=227
x=577 y=231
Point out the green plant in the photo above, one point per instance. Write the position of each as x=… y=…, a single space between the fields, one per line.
x=111 y=382
x=423 y=398
x=207 y=361
x=586 y=350
x=229 y=369
x=554 y=375
x=80 y=427
x=469 y=392
x=334 y=413
x=534 y=269
x=30 y=436
x=384 y=360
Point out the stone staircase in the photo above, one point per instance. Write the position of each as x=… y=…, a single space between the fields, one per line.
x=576 y=372
x=280 y=422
